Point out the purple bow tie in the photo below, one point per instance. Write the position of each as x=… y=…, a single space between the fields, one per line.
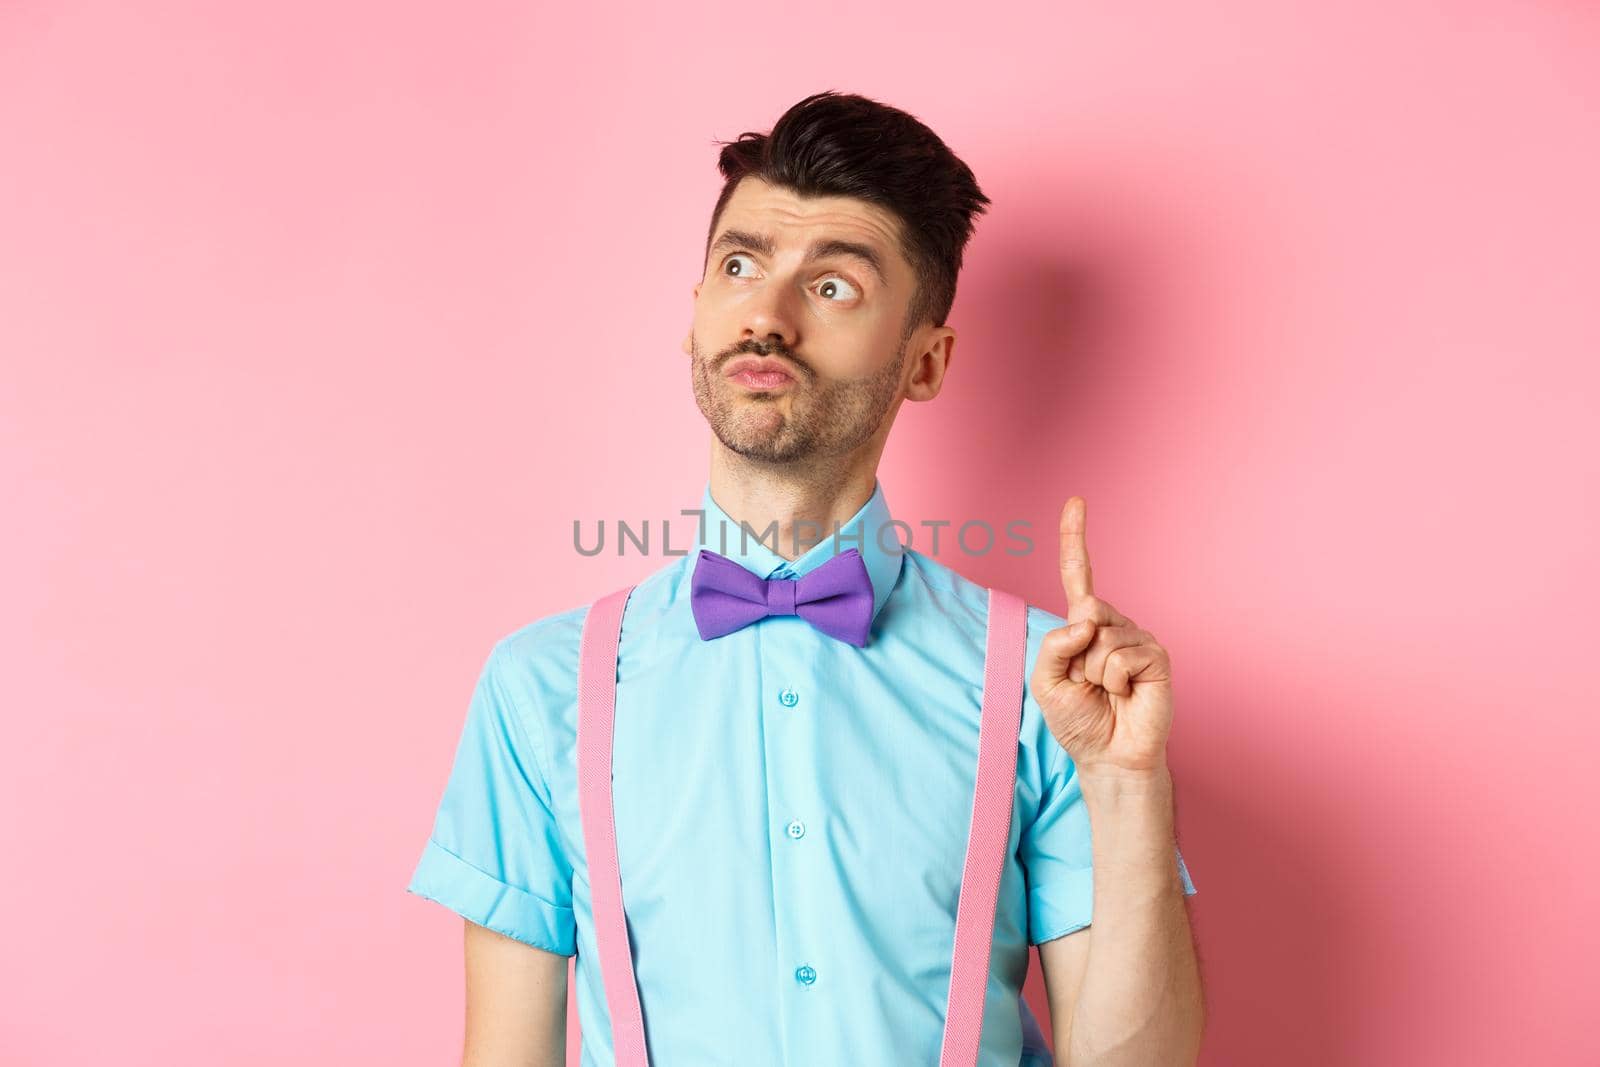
x=836 y=597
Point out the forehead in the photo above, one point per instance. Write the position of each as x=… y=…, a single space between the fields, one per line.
x=794 y=220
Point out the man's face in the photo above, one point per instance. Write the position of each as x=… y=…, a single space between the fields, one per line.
x=831 y=322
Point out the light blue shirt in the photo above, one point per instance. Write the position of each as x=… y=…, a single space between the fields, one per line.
x=791 y=815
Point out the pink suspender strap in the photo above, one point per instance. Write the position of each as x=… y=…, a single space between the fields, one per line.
x=597 y=706
x=1005 y=658
x=990 y=832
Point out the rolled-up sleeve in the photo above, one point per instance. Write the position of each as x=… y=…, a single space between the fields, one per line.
x=495 y=855
x=1057 y=856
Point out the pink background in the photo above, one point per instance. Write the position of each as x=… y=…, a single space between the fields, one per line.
x=320 y=325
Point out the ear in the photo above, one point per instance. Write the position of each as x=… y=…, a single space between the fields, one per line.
x=935 y=354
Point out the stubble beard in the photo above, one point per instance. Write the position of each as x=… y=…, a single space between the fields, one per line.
x=809 y=422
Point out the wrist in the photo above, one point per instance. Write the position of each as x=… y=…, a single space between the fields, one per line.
x=1124 y=780
x=1123 y=796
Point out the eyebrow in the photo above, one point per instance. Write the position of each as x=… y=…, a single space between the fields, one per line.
x=820 y=249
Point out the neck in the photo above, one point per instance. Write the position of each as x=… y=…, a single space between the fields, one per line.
x=806 y=503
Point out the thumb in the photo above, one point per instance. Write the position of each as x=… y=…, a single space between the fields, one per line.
x=1060 y=645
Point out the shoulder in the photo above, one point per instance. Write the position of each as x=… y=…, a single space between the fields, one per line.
x=965 y=600
x=957 y=597
x=540 y=657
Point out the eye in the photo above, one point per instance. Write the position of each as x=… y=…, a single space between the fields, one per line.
x=730 y=259
x=836 y=285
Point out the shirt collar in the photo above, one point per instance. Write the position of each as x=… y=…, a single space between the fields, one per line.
x=869 y=531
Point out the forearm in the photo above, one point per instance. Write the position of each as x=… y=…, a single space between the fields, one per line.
x=1140 y=1001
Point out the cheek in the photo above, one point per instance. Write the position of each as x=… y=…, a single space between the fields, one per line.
x=712 y=312
x=861 y=350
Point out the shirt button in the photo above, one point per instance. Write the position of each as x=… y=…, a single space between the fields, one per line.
x=805 y=975
x=788 y=697
x=797 y=829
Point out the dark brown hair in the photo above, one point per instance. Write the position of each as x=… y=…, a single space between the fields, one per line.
x=841 y=144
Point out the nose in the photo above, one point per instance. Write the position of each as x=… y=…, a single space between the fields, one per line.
x=768 y=317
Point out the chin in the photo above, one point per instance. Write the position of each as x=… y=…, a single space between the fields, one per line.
x=756 y=436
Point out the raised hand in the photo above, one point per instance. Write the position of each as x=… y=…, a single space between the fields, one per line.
x=1104 y=685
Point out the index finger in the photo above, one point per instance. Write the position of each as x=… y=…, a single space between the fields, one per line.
x=1076 y=577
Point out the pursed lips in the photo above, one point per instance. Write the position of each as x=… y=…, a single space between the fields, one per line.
x=758 y=365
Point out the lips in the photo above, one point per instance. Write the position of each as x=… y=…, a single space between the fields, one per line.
x=771 y=382
x=759 y=368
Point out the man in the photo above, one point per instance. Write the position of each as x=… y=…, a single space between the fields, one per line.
x=792 y=804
